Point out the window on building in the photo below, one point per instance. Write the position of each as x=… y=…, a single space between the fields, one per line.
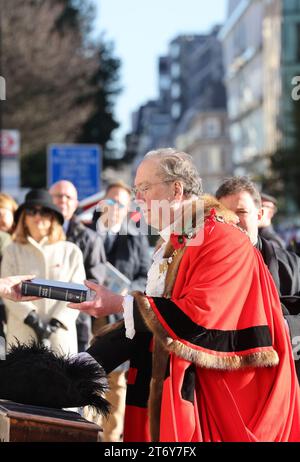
x=215 y=159
x=240 y=39
x=175 y=50
x=175 y=91
x=213 y=128
x=175 y=70
x=164 y=82
x=176 y=110
x=290 y=6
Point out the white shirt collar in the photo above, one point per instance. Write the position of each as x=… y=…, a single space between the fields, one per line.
x=40 y=244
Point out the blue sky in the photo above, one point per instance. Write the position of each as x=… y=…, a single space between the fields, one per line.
x=141 y=31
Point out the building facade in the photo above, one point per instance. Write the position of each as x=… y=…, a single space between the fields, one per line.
x=190 y=112
x=261 y=55
x=205 y=137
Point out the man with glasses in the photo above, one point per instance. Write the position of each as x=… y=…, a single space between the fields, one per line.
x=65 y=197
x=125 y=247
x=210 y=355
x=128 y=251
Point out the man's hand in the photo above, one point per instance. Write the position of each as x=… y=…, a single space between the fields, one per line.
x=11 y=288
x=105 y=302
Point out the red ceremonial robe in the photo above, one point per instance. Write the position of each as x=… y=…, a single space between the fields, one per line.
x=230 y=375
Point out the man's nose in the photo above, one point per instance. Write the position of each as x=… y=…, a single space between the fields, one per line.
x=139 y=196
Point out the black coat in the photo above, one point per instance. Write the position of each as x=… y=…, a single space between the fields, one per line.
x=283 y=265
x=285 y=269
x=270 y=234
x=130 y=255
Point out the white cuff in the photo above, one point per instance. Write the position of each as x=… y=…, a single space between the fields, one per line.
x=128 y=316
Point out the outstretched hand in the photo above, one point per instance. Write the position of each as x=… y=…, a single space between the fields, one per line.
x=10 y=288
x=104 y=303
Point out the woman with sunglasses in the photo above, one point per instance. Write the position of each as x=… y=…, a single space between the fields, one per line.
x=39 y=248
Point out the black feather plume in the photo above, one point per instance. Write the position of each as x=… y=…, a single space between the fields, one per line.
x=33 y=374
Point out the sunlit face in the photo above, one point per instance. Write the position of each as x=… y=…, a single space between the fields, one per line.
x=242 y=204
x=114 y=206
x=64 y=196
x=152 y=192
x=269 y=210
x=38 y=221
x=6 y=219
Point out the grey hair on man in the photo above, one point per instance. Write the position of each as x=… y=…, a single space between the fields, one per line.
x=178 y=166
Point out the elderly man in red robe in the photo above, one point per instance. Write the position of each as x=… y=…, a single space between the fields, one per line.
x=211 y=359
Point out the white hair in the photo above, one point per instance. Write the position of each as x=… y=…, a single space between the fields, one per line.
x=178 y=166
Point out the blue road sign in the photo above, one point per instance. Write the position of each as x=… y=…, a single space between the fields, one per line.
x=79 y=163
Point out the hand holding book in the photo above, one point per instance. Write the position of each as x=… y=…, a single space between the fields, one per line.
x=104 y=302
x=11 y=288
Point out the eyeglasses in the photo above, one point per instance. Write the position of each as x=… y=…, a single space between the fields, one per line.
x=61 y=196
x=114 y=202
x=43 y=212
x=143 y=189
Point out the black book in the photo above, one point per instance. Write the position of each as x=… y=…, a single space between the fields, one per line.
x=57 y=290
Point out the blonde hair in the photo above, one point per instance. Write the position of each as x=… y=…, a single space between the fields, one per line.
x=56 y=232
x=8 y=202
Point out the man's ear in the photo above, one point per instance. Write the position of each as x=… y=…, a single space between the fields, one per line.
x=178 y=190
x=260 y=215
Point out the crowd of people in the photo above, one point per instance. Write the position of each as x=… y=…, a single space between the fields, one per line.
x=202 y=344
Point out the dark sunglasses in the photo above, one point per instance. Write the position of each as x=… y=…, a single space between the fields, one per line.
x=114 y=202
x=43 y=212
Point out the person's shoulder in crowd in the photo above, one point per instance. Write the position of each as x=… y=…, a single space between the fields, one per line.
x=270 y=234
x=281 y=253
x=78 y=229
x=5 y=239
x=284 y=266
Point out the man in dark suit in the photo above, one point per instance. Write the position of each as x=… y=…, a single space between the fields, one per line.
x=128 y=251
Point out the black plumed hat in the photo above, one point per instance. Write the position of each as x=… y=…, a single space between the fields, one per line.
x=33 y=374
